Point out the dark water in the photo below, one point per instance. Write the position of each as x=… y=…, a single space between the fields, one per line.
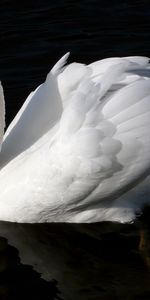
x=65 y=261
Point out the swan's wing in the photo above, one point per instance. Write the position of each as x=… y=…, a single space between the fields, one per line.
x=70 y=78
x=41 y=111
x=40 y=102
x=102 y=147
x=102 y=66
x=102 y=71
x=2 y=115
x=43 y=107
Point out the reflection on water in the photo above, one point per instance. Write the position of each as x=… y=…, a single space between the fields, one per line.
x=19 y=281
x=93 y=262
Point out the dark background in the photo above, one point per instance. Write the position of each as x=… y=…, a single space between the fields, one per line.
x=92 y=262
x=35 y=34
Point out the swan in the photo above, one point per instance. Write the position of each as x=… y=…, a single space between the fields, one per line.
x=79 y=148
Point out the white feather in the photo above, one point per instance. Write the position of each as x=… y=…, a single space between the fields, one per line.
x=40 y=112
x=79 y=142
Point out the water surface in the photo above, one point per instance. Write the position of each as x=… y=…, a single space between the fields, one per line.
x=66 y=261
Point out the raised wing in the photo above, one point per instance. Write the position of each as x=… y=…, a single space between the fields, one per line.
x=103 y=142
x=40 y=112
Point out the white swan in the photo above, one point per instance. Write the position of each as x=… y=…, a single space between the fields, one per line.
x=79 y=142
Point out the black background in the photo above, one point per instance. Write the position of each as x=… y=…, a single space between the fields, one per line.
x=35 y=34
x=92 y=262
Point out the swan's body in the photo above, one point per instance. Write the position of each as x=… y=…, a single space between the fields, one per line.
x=79 y=142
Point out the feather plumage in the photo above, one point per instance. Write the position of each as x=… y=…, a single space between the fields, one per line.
x=88 y=144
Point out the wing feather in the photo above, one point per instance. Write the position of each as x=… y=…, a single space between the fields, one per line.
x=40 y=112
x=101 y=147
x=109 y=141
